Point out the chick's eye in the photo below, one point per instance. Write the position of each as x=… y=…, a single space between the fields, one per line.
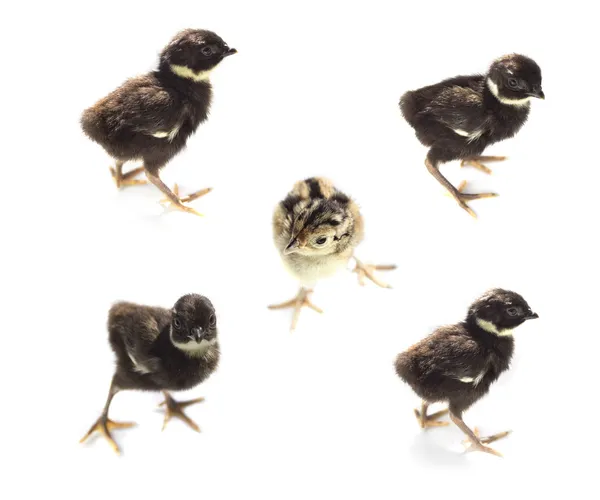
x=207 y=51
x=321 y=241
x=212 y=320
x=512 y=311
x=177 y=323
x=513 y=83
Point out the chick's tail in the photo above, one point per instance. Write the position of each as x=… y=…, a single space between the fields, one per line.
x=91 y=124
x=409 y=106
x=404 y=368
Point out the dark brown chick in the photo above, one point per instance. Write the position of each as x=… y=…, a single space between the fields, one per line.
x=458 y=118
x=457 y=364
x=160 y=349
x=151 y=117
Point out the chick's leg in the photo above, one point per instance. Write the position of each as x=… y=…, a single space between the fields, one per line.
x=127 y=179
x=175 y=409
x=301 y=300
x=459 y=196
x=172 y=197
x=430 y=420
x=475 y=161
x=477 y=443
x=104 y=425
x=368 y=271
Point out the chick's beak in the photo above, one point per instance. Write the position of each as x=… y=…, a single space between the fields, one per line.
x=539 y=93
x=292 y=247
x=198 y=333
x=230 y=52
x=532 y=315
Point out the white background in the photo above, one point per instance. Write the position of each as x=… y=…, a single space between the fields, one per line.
x=318 y=413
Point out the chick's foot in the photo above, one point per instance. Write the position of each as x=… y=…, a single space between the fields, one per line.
x=475 y=161
x=474 y=441
x=461 y=197
x=426 y=421
x=175 y=409
x=172 y=197
x=104 y=425
x=368 y=271
x=457 y=193
x=191 y=197
x=301 y=300
x=480 y=442
x=127 y=179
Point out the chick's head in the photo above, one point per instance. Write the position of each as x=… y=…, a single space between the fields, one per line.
x=499 y=311
x=193 y=323
x=515 y=79
x=195 y=51
x=321 y=227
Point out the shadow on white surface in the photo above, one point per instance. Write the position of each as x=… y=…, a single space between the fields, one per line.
x=428 y=450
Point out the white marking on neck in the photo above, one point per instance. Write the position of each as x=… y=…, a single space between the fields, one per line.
x=195 y=349
x=509 y=102
x=491 y=328
x=190 y=74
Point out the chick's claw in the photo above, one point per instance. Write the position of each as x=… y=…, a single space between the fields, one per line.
x=475 y=161
x=184 y=208
x=127 y=179
x=175 y=409
x=426 y=421
x=104 y=425
x=461 y=197
x=301 y=300
x=484 y=449
x=179 y=204
x=487 y=439
x=368 y=271
x=479 y=445
x=196 y=195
